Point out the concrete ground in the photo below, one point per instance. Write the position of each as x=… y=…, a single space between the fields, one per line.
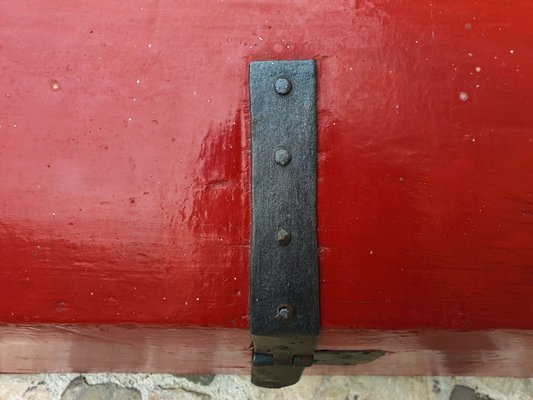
x=206 y=387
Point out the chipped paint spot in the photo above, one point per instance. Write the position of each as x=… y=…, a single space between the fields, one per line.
x=463 y=96
x=54 y=85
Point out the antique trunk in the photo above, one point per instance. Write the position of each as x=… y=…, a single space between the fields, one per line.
x=144 y=144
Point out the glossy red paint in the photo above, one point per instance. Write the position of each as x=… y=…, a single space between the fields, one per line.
x=124 y=160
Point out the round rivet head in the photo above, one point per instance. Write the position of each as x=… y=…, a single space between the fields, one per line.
x=283 y=86
x=283 y=313
x=283 y=157
x=283 y=236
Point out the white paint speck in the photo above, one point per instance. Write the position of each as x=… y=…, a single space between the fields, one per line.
x=150 y=45
x=197 y=299
x=371 y=252
x=478 y=69
x=511 y=51
x=138 y=81
x=14 y=125
x=463 y=96
x=473 y=140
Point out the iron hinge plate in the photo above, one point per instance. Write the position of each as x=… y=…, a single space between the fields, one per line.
x=284 y=288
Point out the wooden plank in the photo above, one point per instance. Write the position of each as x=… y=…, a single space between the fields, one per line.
x=164 y=349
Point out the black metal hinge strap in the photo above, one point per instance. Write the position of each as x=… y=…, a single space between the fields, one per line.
x=284 y=298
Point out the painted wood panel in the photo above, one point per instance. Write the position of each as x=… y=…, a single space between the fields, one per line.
x=124 y=160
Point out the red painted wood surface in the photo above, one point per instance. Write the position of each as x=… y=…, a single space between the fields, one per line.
x=124 y=160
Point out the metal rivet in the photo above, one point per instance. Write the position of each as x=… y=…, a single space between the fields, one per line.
x=284 y=312
x=283 y=86
x=283 y=157
x=283 y=236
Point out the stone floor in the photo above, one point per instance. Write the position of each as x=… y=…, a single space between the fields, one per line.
x=207 y=387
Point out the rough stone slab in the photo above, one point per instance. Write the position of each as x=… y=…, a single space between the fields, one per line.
x=232 y=387
x=78 y=389
x=460 y=392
